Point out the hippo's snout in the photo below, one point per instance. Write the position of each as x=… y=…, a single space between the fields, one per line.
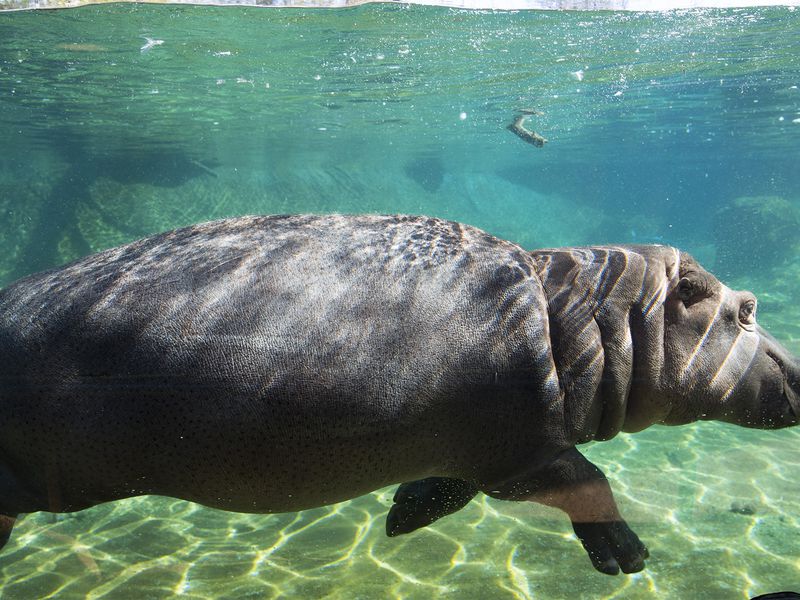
x=767 y=396
x=790 y=369
x=780 y=400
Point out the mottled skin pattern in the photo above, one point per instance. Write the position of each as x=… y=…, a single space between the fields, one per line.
x=268 y=364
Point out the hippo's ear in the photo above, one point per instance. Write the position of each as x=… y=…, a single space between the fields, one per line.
x=695 y=282
x=693 y=287
x=687 y=264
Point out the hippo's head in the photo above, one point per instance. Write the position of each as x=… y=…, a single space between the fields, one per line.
x=644 y=335
x=718 y=362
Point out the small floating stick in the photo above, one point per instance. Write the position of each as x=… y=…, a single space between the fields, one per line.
x=518 y=127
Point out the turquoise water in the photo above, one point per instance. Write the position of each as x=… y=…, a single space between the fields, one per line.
x=679 y=128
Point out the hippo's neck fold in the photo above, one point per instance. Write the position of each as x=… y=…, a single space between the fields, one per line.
x=605 y=307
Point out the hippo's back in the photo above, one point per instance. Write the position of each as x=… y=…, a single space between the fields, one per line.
x=268 y=363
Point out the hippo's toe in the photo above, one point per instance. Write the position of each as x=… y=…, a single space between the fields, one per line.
x=612 y=546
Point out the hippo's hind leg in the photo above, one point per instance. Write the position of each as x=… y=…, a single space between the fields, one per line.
x=15 y=498
x=576 y=486
x=420 y=503
x=6 y=525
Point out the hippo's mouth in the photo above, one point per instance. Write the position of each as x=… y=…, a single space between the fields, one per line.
x=790 y=385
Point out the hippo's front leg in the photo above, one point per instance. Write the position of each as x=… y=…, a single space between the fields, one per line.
x=579 y=488
x=419 y=503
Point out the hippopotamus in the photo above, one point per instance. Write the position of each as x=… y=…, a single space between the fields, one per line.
x=278 y=363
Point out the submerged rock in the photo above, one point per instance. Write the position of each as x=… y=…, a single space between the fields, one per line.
x=742 y=508
x=427 y=172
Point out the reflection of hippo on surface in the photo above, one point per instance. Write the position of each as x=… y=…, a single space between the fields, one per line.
x=268 y=364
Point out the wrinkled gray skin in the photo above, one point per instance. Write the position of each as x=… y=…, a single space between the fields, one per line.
x=268 y=364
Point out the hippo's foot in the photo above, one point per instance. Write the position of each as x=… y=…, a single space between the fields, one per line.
x=612 y=546
x=576 y=486
x=420 y=503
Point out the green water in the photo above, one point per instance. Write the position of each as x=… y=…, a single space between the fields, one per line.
x=680 y=128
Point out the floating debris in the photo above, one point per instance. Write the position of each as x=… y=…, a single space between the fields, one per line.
x=518 y=127
x=151 y=43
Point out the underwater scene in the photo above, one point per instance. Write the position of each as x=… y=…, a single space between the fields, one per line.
x=544 y=128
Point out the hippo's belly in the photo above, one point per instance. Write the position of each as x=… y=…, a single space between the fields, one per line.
x=257 y=370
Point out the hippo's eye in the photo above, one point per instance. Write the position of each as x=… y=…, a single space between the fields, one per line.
x=686 y=289
x=747 y=312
